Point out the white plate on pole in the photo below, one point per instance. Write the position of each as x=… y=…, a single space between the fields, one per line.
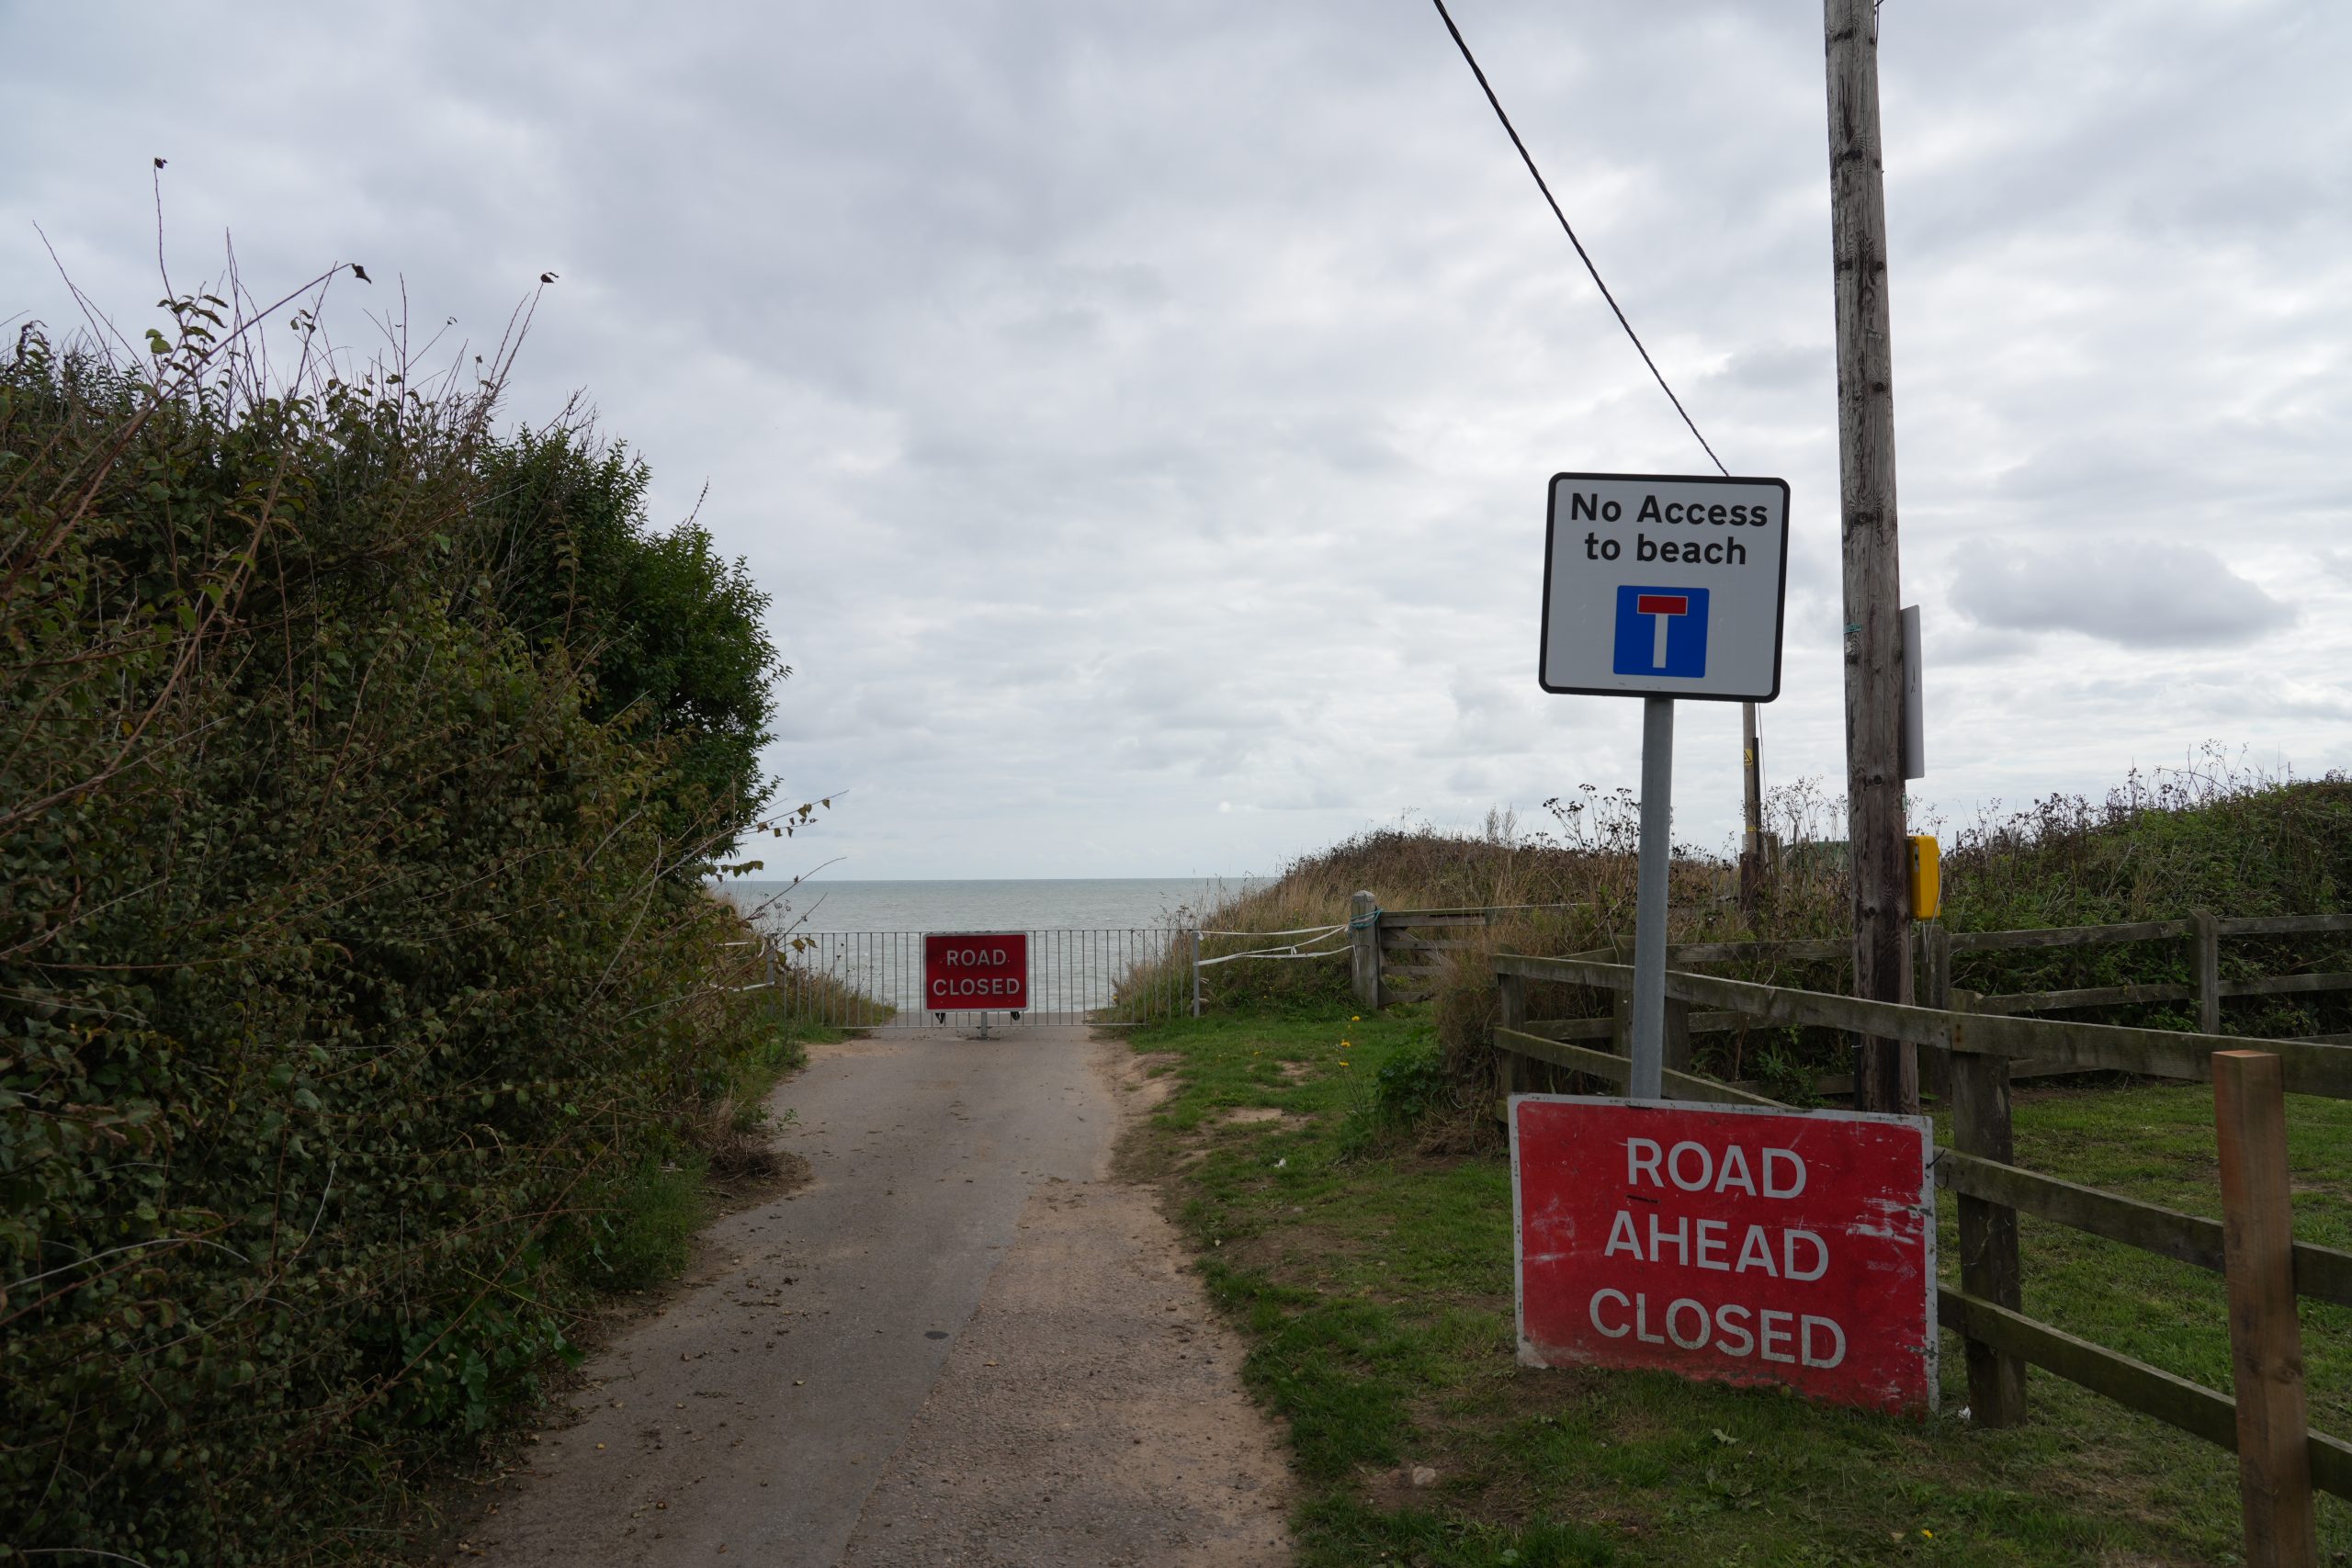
x=1665 y=585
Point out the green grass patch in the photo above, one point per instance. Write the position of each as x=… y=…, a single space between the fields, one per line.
x=643 y=1231
x=781 y=1049
x=1349 y=1221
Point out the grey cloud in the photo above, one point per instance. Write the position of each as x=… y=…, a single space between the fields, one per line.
x=1032 y=350
x=1781 y=367
x=1150 y=751
x=1965 y=644
x=2102 y=479
x=2334 y=709
x=2140 y=595
x=1313 y=797
x=1470 y=778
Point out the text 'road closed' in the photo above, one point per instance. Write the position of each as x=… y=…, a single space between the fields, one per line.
x=976 y=970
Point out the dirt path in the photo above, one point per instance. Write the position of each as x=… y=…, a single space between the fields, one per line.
x=962 y=1343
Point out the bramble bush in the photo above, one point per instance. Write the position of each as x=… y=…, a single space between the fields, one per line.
x=360 y=772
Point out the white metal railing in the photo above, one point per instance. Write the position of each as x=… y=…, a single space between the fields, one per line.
x=860 y=979
x=857 y=979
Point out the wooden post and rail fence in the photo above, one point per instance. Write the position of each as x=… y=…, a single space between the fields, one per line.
x=1386 y=944
x=2281 y=1461
x=1400 y=953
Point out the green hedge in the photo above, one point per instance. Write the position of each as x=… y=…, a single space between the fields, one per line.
x=354 y=964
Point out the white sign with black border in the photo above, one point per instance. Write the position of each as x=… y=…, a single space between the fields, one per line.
x=1665 y=585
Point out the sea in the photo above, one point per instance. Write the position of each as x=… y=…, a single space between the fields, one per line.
x=1026 y=904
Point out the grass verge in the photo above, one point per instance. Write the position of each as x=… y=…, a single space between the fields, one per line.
x=1352 y=1222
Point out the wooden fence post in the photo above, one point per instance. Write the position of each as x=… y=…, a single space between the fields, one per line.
x=1678 y=1055
x=1935 y=952
x=1988 y=1232
x=1196 y=972
x=1363 y=933
x=1511 y=998
x=2266 y=1338
x=1621 y=1003
x=1935 y=991
x=2205 y=939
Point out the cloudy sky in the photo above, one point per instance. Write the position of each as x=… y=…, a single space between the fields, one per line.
x=1141 y=413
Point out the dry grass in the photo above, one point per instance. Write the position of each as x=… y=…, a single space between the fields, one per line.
x=808 y=993
x=1563 y=888
x=2212 y=835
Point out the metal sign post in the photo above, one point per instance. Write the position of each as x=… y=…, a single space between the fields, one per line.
x=1648 y=1081
x=1662 y=586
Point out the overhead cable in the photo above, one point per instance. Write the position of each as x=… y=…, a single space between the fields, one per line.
x=1529 y=158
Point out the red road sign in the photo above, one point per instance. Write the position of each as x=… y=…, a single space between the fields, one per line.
x=1727 y=1244
x=976 y=970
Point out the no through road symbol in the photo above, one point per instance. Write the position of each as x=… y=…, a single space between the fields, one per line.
x=1661 y=631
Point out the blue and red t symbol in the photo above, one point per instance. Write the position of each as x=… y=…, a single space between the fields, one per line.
x=1661 y=631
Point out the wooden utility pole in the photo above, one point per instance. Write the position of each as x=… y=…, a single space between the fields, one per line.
x=1886 y=1073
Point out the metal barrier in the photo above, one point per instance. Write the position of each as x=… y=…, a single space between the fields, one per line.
x=1103 y=975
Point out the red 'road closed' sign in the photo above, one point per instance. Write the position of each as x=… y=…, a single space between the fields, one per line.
x=1729 y=1244
x=976 y=970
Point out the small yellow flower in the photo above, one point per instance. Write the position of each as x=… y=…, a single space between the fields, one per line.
x=1928 y=1534
x=1343 y=1044
x=1358 y=1019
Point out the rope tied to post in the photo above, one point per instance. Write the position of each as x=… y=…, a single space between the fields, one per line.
x=1367 y=921
x=1303 y=931
x=1306 y=949
x=1292 y=951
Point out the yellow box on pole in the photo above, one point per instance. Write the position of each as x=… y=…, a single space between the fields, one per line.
x=1927 y=877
